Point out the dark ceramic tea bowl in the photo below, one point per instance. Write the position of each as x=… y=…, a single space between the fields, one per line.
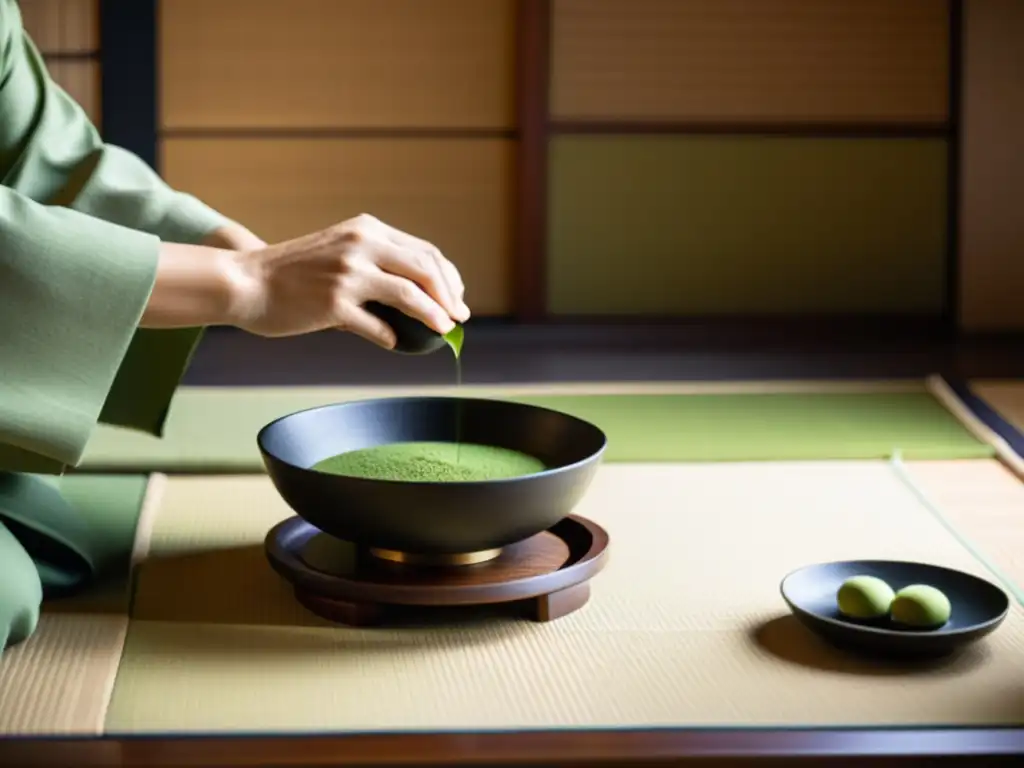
x=431 y=518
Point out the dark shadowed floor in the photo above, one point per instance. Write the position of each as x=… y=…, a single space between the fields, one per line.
x=497 y=352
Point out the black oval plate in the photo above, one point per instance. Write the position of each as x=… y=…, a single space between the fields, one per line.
x=978 y=607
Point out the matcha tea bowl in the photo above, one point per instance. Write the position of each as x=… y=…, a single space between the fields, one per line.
x=440 y=480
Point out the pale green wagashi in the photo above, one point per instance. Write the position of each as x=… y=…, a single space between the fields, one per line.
x=864 y=597
x=920 y=606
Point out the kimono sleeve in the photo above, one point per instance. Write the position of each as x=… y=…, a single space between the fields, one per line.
x=80 y=227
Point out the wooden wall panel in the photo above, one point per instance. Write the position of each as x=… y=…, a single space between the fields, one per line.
x=742 y=225
x=337 y=63
x=455 y=193
x=992 y=167
x=81 y=79
x=62 y=26
x=750 y=60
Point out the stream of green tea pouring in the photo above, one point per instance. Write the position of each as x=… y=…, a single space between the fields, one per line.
x=454 y=338
x=413 y=337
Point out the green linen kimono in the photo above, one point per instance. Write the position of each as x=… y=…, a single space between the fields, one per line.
x=80 y=226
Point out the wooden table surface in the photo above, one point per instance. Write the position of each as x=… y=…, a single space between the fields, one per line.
x=555 y=748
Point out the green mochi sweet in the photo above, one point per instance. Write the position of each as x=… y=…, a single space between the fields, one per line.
x=920 y=606
x=864 y=597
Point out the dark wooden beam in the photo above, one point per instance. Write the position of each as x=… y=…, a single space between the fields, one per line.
x=953 y=177
x=129 y=76
x=823 y=748
x=532 y=77
x=71 y=56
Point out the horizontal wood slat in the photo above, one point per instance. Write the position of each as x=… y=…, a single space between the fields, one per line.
x=741 y=225
x=727 y=61
x=337 y=63
x=455 y=193
x=62 y=26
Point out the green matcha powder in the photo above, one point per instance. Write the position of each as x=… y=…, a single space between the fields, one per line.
x=432 y=462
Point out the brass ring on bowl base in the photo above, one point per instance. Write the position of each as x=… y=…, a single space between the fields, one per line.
x=458 y=558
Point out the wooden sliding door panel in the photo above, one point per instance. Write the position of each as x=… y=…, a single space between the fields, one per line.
x=455 y=193
x=337 y=63
x=755 y=61
x=740 y=225
x=62 y=26
x=992 y=167
x=81 y=80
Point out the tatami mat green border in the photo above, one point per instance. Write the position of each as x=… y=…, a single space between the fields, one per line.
x=213 y=430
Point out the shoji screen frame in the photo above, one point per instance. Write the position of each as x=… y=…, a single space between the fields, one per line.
x=538 y=126
x=130 y=79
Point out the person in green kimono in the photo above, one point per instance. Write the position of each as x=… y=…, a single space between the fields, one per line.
x=107 y=277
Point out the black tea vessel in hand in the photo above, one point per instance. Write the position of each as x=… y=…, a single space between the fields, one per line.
x=413 y=337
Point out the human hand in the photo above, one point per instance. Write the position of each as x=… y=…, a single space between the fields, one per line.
x=322 y=281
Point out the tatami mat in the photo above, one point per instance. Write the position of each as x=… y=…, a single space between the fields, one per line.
x=59 y=681
x=985 y=502
x=685 y=627
x=213 y=430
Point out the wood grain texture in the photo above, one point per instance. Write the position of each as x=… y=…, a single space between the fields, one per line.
x=456 y=193
x=746 y=226
x=694 y=748
x=992 y=167
x=543 y=577
x=351 y=569
x=870 y=61
x=81 y=80
x=62 y=26
x=337 y=63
